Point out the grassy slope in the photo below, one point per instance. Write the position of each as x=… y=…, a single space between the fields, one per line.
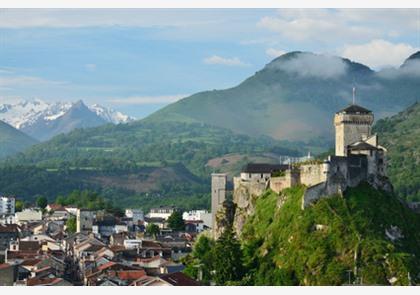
x=12 y=140
x=400 y=134
x=284 y=248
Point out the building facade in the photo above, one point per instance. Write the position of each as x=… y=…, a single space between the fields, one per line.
x=7 y=205
x=84 y=220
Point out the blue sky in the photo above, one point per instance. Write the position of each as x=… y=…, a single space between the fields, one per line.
x=139 y=60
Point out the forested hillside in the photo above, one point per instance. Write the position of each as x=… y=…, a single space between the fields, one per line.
x=138 y=164
x=12 y=140
x=400 y=134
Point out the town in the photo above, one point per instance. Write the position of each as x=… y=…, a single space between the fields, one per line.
x=39 y=247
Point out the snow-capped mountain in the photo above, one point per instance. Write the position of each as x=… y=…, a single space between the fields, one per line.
x=110 y=115
x=42 y=120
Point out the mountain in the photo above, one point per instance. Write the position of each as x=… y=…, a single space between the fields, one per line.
x=12 y=140
x=293 y=97
x=401 y=135
x=366 y=237
x=43 y=120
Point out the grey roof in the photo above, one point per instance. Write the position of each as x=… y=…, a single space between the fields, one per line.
x=263 y=168
x=361 y=146
x=355 y=109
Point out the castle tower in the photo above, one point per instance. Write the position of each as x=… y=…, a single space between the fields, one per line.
x=352 y=124
x=218 y=194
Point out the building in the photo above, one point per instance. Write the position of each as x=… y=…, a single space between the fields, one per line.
x=198 y=215
x=84 y=220
x=135 y=214
x=352 y=124
x=218 y=194
x=8 y=233
x=7 y=274
x=161 y=212
x=28 y=215
x=261 y=171
x=7 y=205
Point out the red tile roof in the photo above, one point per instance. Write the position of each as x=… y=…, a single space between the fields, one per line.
x=8 y=228
x=179 y=279
x=29 y=246
x=131 y=274
x=31 y=262
x=43 y=281
x=106 y=265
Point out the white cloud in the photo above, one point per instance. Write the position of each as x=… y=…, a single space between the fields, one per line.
x=335 y=25
x=140 y=100
x=312 y=65
x=272 y=52
x=379 y=53
x=314 y=25
x=218 y=60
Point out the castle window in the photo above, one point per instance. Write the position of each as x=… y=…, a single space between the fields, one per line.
x=261 y=175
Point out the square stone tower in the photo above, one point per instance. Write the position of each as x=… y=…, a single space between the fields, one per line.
x=352 y=124
x=218 y=194
x=84 y=220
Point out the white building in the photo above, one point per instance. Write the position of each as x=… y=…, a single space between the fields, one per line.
x=196 y=215
x=161 y=212
x=136 y=214
x=132 y=244
x=28 y=215
x=7 y=205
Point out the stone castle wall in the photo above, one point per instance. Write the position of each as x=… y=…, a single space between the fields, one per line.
x=313 y=174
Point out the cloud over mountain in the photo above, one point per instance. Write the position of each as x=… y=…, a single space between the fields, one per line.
x=310 y=65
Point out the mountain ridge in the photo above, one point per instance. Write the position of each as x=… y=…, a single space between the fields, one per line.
x=292 y=97
x=12 y=140
x=35 y=117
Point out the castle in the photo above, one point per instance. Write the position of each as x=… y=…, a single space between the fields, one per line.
x=358 y=157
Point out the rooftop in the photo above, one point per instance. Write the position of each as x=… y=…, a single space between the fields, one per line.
x=179 y=279
x=8 y=228
x=361 y=146
x=263 y=168
x=354 y=109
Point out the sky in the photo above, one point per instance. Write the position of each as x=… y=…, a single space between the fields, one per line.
x=139 y=60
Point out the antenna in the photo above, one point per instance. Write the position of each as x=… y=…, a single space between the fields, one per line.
x=354 y=95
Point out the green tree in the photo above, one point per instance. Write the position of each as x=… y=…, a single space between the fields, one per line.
x=41 y=202
x=61 y=200
x=228 y=259
x=152 y=229
x=201 y=259
x=71 y=224
x=18 y=205
x=175 y=221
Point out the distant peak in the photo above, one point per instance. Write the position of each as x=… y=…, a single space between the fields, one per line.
x=413 y=57
x=79 y=104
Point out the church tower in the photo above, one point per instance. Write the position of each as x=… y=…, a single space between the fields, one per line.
x=352 y=124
